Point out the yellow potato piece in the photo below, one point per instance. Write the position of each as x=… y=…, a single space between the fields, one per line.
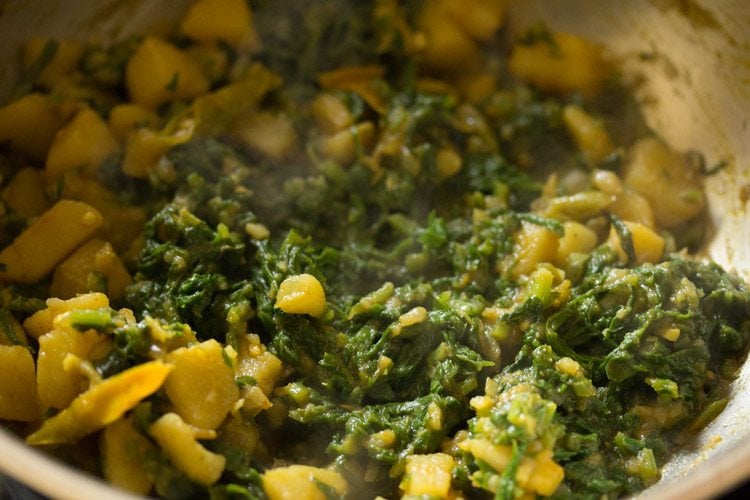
x=64 y=61
x=229 y=21
x=648 y=246
x=50 y=239
x=125 y=118
x=588 y=133
x=29 y=124
x=301 y=294
x=93 y=266
x=301 y=481
x=662 y=177
x=201 y=387
x=428 y=475
x=534 y=244
x=42 y=321
x=123 y=449
x=577 y=239
x=25 y=193
x=272 y=135
x=178 y=439
x=567 y=63
x=450 y=48
x=83 y=143
x=56 y=386
x=159 y=72
x=101 y=405
x=144 y=149
x=18 y=399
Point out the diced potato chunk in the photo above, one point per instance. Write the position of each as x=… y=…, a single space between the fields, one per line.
x=633 y=206
x=343 y=146
x=272 y=135
x=567 y=63
x=229 y=21
x=29 y=124
x=428 y=475
x=64 y=61
x=25 y=193
x=178 y=439
x=123 y=449
x=50 y=239
x=42 y=322
x=125 y=118
x=577 y=239
x=534 y=244
x=201 y=387
x=301 y=481
x=661 y=175
x=18 y=399
x=84 y=143
x=159 y=72
x=330 y=113
x=450 y=48
x=480 y=19
x=588 y=133
x=265 y=369
x=57 y=386
x=102 y=404
x=301 y=294
x=648 y=246
x=144 y=149
x=546 y=474
x=93 y=267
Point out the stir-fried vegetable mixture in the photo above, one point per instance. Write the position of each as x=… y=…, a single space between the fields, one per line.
x=317 y=249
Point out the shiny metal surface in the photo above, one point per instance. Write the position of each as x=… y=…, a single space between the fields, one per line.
x=691 y=60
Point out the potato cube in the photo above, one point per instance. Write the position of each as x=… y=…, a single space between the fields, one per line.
x=84 y=143
x=42 y=322
x=449 y=47
x=648 y=246
x=178 y=439
x=588 y=133
x=144 y=149
x=265 y=369
x=159 y=72
x=577 y=239
x=93 y=267
x=29 y=124
x=428 y=475
x=330 y=113
x=662 y=177
x=546 y=475
x=272 y=135
x=123 y=449
x=344 y=145
x=534 y=244
x=301 y=481
x=125 y=118
x=202 y=387
x=57 y=387
x=211 y=21
x=18 y=399
x=566 y=63
x=102 y=404
x=67 y=54
x=25 y=193
x=480 y=19
x=50 y=239
x=301 y=294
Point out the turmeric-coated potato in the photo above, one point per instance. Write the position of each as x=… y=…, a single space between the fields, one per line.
x=428 y=475
x=301 y=294
x=29 y=124
x=562 y=63
x=18 y=399
x=179 y=440
x=228 y=21
x=25 y=194
x=159 y=72
x=83 y=143
x=56 y=58
x=201 y=387
x=648 y=246
x=94 y=266
x=534 y=244
x=42 y=321
x=302 y=481
x=123 y=449
x=50 y=239
x=102 y=404
x=125 y=118
x=663 y=178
